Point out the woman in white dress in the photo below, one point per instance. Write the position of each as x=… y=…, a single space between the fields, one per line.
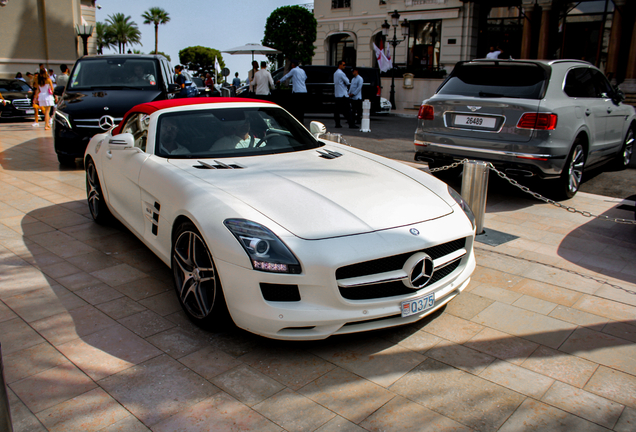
x=44 y=94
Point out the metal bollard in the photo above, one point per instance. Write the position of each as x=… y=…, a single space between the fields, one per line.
x=475 y=190
x=5 y=411
x=365 y=125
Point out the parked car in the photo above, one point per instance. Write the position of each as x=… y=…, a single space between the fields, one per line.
x=249 y=210
x=530 y=118
x=320 y=90
x=18 y=96
x=205 y=91
x=101 y=89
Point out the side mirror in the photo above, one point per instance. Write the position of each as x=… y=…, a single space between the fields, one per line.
x=173 y=88
x=121 y=142
x=59 y=90
x=619 y=96
x=317 y=128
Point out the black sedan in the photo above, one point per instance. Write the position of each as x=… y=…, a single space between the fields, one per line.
x=17 y=95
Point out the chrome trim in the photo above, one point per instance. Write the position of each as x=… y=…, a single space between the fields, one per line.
x=472 y=114
x=448 y=259
x=498 y=152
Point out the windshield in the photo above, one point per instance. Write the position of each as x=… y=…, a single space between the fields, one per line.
x=14 y=86
x=490 y=80
x=114 y=73
x=230 y=132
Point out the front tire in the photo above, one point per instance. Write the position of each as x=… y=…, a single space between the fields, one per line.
x=625 y=156
x=572 y=172
x=195 y=279
x=96 y=204
x=67 y=161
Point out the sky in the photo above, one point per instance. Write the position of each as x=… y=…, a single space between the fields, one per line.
x=209 y=23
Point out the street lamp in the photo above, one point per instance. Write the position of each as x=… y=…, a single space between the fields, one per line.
x=84 y=31
x=395 y=16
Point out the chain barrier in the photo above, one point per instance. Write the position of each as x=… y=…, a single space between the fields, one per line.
x=537 y=195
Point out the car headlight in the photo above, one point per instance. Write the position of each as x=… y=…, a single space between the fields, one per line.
x=463 y=204
x=63 y=118
x=266 y=251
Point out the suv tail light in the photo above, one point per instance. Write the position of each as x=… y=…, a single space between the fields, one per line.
x=379 y=92
x=426 y=112
x=538 y=121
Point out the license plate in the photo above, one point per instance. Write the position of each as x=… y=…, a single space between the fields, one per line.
x=418 y=305
x=29 y=111
x=485 y=122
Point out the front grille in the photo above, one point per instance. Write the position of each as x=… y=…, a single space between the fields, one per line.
x=22 y=103
x=393 y=289
x=396 y=262
x=92 y=123
x=280 y=292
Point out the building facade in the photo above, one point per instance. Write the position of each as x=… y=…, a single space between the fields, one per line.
x=42 y=31
x=444 y=32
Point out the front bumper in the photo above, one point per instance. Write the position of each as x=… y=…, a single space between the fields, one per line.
x=322 y=310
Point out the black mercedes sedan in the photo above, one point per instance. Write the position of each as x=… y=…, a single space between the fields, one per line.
x=17 y=95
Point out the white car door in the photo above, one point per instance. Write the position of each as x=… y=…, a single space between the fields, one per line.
x=121 y=168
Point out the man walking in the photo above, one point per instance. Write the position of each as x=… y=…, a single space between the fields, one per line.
x=343 y=106
x=236 y=82
x=299 y=90
x=355 y=92
x=62 y=80
x=263 y=82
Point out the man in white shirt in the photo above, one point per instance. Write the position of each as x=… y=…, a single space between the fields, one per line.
x=263 y=82
x=355 y=93
x=494 y=53
x=299 y=90
x=343 y=106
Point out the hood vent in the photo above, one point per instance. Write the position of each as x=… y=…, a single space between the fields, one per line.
x=217 y=165
x=329 y=154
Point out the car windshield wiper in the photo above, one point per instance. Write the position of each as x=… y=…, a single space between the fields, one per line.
x=485 y=94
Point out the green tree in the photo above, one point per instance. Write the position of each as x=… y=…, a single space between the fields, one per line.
x=161 y=53
x=292 y=30
x=104 y=37
x=156 y=16
x=125 y=32
x=200 y=59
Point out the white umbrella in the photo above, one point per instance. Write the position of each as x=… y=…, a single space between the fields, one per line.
x=252 y=48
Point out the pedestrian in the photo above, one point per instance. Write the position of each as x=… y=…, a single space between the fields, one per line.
x=53 y=77
x=18 y=76
x=45 y=98
x=250 y=77
x=185 y=82
x=343 y=105
x=355 y=93
x=236 y=82
x=299 y=90
x=62 y=80
x=209 y=82
x=263 y=82
x=493 y=53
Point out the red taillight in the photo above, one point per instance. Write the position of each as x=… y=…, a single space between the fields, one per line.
x=426 y=112
x=540 y=121
x=379 y=92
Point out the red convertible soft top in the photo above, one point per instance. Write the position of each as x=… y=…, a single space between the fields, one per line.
x=151 y=107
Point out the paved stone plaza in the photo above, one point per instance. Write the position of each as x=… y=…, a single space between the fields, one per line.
x=93 y=337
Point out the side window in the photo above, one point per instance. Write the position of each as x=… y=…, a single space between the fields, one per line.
x=137 y=125
x=603 y=87
x=579 y=83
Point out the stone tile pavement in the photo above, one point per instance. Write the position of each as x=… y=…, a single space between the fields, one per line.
x=93 y=338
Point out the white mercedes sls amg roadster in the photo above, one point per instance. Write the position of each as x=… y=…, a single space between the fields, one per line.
x=288 y=235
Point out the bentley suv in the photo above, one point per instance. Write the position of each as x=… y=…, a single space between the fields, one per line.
x=530 y=118
x=101 y=89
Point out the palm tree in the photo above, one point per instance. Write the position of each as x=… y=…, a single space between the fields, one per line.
x=124 y=31
x=103 y=37
x=156 y=16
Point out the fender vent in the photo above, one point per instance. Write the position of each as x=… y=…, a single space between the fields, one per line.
x=329 y=154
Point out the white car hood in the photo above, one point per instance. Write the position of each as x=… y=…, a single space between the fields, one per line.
x=315 y=198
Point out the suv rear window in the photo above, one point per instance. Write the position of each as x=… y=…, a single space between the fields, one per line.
x=490 y=80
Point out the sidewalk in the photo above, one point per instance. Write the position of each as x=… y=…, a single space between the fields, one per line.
x=93 y=337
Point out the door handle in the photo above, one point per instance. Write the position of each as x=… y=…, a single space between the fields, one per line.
x=109 y=154
x=588 y=112
x=609 y=110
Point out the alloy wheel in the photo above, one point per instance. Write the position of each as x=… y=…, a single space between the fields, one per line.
x=628 y=147
x=575 y=170
x=194 y=273
x=93 y=190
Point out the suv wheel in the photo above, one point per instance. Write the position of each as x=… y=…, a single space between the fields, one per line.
x=572 y=172
x=624 y=157
x=68 y=161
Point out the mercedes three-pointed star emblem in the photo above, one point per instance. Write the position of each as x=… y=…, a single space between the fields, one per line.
x=106 y=122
